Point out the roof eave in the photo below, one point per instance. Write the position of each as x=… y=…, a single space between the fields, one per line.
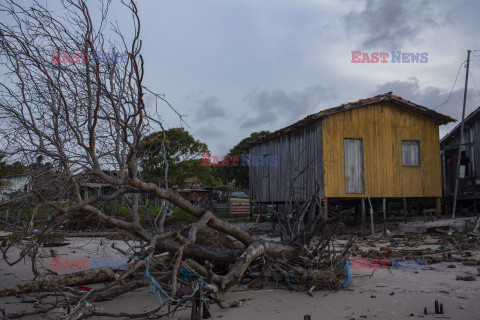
x=441 y=119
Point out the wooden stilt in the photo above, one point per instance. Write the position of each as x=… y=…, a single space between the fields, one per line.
x=251 y=211
x=363 y=218
x=259 y=213
x=448 y=207
x=420 y=207
x=405 y=209
x=384 y=215
x=326 y=207
x=197 y=305
x=438 y=207
x=372 y=223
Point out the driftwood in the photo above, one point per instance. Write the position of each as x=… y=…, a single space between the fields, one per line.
x=466 y=278
x=87 y=234
x=52 y=283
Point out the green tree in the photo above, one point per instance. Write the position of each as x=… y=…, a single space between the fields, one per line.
x=239 y=173
x=182 y=153
x=7 y=169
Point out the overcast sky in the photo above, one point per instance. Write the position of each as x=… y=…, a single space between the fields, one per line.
x=236 y=67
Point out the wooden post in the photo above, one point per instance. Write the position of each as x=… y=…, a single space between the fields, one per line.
x=385 y=216
x=197 y=305
x=438 y=207
x=474 y=201
x=251 y=211
x=363 y=217
x=420 y=207
x=444 y=173
x=448 y=207
x=405 y=209
x=372 y=223
x=326 y=207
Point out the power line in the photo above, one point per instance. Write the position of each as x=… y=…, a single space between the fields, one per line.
x=474 y=82
x=440 y=106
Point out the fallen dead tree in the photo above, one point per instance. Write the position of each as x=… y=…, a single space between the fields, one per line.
x=53 y=282
x=87 y=120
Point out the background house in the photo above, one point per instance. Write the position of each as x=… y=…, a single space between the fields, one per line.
x=469 y=181
x=380 y=147
x=14 y=185
x=205 y=197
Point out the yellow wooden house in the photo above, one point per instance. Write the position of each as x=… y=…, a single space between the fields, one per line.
x=380 y=147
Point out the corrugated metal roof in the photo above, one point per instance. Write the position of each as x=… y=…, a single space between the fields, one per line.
x=472 y=116
x=399 y=101
x=239 y=194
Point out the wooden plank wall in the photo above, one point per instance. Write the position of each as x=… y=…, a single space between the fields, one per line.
x=474 y=134
x=295 y=151
x=471 y=136
x=382 y=127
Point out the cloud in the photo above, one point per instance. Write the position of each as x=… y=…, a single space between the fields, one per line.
x=271 y=105
x=210 y=131
x=387 y=24
x=436 y=98
x=209 y=108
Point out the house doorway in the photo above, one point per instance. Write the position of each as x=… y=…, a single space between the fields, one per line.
x=353 y=165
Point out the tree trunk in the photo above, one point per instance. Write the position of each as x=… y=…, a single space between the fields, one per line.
x=51 y=283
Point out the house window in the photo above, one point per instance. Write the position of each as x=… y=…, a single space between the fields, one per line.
x=265 y=165
x=410 y=152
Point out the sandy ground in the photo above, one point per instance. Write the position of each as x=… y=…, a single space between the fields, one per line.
x=381 y=293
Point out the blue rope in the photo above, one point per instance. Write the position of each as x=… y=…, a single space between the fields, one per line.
x=188 y=274
x=344 y=265
x=152 y=226
x=156 y=289
x=287 y=275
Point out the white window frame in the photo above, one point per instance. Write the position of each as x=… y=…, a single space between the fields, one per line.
x=408 y=162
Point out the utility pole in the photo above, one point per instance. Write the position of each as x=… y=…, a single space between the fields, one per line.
x=461 y=137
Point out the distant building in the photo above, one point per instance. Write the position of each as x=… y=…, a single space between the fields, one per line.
x=91 y=185
x=379 y=147
x=196 y=192
x=469 y=181
x=14 y=185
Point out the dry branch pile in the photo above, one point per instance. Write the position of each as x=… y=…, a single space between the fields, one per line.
x=88 y=119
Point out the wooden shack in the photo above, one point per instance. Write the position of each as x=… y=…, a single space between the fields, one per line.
x=14 y=185
x=469 y=178
x=380 y=147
